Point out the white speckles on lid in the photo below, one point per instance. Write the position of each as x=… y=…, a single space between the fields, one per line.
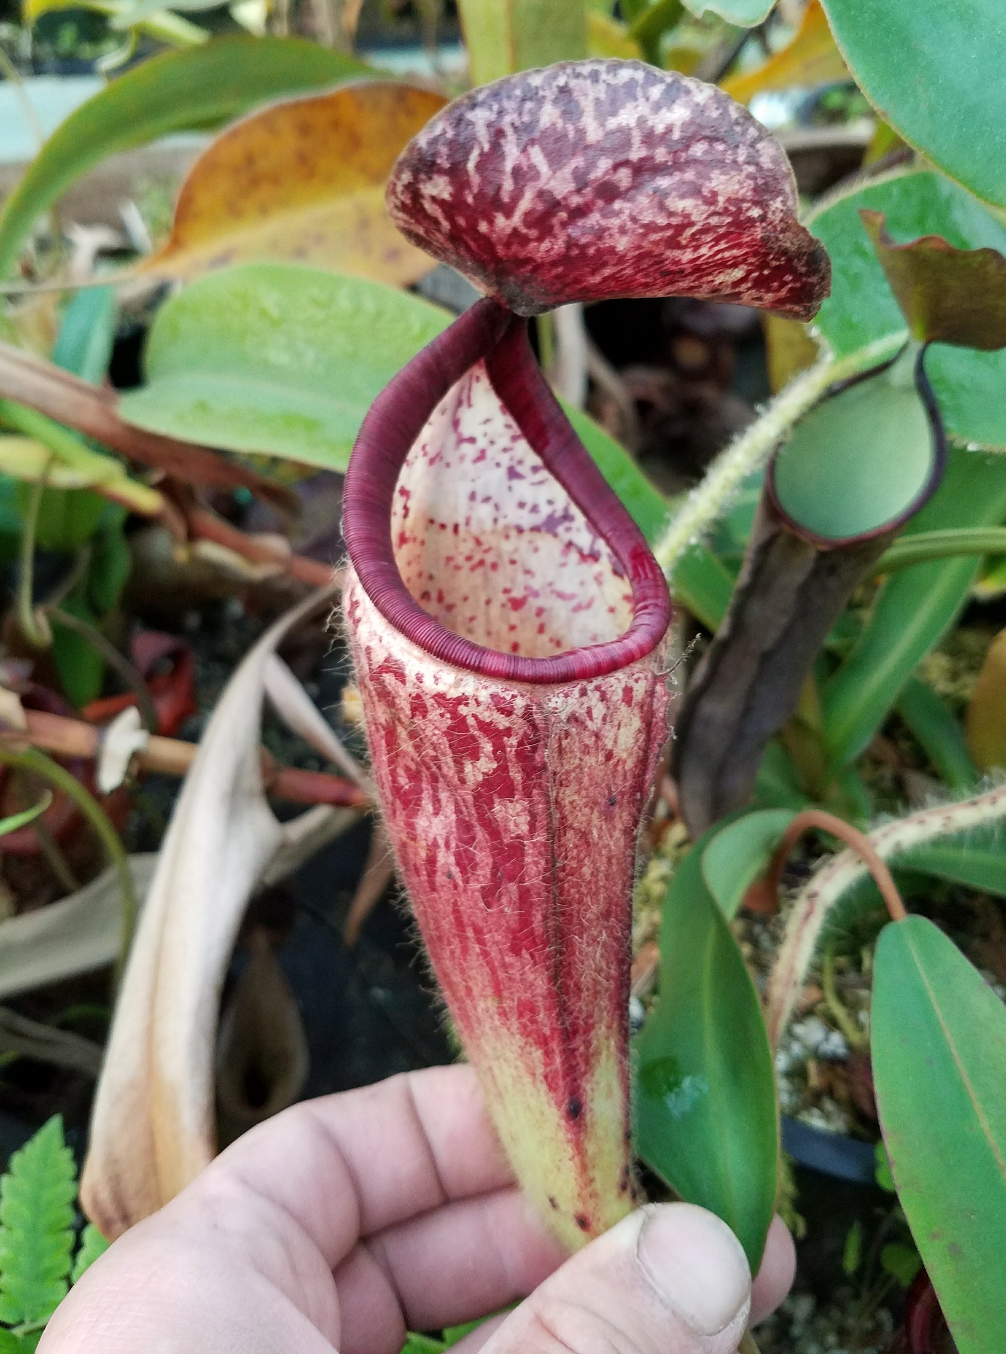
x=698 y=182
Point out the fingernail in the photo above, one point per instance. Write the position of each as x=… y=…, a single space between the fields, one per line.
x=696 y=1264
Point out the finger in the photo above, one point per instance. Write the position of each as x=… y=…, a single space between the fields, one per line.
x=449 y=1266
x=350 y=1165
x=669 y=1279
x=778 y=1269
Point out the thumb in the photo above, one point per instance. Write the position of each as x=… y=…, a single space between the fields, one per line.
x=668 y=1279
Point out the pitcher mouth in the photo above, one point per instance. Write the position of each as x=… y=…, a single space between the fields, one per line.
x=492 y=334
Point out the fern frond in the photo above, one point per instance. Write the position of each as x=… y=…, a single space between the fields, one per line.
x=92 y=1244
x=36 y=1227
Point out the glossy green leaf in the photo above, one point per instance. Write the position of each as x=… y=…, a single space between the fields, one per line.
x=278 y=359
x=706 y=1118
x=646 y=505
x=861 y=308
x=939 y=732
x=198 y=87
x=739 y=853
x=913 y=608
x=87 y=333
x=976 y=859
x=933 y=71
x=858 y=461
x=939 y=1054
x=744 y=13
x=703 y=585
x=929 y=545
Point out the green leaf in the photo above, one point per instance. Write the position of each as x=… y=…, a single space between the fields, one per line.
x=198 y=87
x=703 y=585
x=80 y=666
x=503 y=36
x=71 y=452
x=422 y=1344
x=912 y=610
x=706 y=1118
x=860 y=460
x=777 y=785
x=861 y=308
x=739 y=853
x=67 y=518
x=744 y=13
x=278 y=359
x=111 y=562
x=13 y=1344
x=939 y=1050
x=852 y=1254
x=87 y=333
x=930 y=545
x=92 y=1244
x=15 y=820
x=977 y=860
x=934 y=72
x=650 y=26
x=939 y=733
x=900 y=1260
x=645 y=505
x=882 y=1173
x=36 y=1226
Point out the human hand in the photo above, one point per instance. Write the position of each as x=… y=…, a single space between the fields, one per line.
x=346 y=1220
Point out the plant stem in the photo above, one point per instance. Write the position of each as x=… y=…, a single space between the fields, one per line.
x=40 y=765
x=709 y=500
x=79 y=568
x=747 y=1344
x=129 y=674
x=857 y=841
x=54 y=855
x=853 y=1034
x=32 y=625
x=925 y=546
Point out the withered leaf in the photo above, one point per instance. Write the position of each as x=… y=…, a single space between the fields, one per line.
x=303 y=180
x=947 y=295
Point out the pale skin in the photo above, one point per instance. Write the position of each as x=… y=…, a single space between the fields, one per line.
x=345 y=1221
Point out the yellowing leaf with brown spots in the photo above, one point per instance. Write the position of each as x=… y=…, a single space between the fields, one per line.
x=810 y=58
x=303 y=180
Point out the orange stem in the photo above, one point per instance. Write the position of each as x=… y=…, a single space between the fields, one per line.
x=857 y=841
